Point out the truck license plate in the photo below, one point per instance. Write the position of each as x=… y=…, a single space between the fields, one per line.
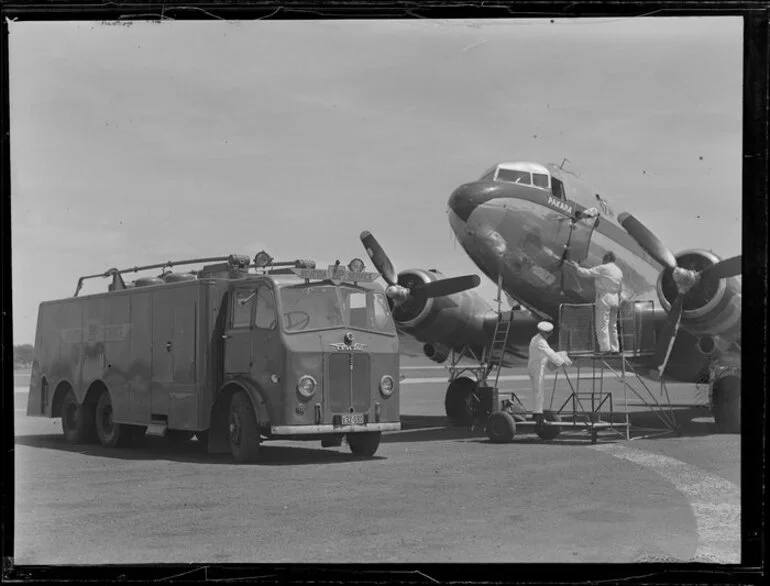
x=353 y=418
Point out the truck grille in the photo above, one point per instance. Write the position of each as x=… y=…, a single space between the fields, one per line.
x=339 y=395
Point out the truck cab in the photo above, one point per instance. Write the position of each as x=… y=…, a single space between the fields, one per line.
x=320 y=354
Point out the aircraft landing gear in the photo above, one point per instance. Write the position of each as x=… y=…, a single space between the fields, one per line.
x=467 y=399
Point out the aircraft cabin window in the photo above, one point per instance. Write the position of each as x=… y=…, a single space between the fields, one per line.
x=513 y=176
x=540 y=180
x=557 y=188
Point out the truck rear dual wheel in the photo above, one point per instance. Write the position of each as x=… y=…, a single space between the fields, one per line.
x=111 y=434
x=727 y=409
x=244 y=433
x=364 y=443
x=77 y=420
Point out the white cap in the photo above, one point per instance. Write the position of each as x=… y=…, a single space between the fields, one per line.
x=545 y=326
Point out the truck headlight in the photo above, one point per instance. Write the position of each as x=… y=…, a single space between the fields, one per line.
x=306 y=386
x=387 y=385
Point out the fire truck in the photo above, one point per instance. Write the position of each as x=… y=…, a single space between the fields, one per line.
x=233 y=353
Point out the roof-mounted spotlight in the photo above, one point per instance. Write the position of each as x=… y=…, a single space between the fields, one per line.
x=262 y=259
x=238 y=260
x=356 y=266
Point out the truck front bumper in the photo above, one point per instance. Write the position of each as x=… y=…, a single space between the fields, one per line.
x=328 y=428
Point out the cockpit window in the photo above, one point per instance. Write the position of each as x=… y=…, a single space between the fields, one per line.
x=513 y=176
x=540 y=180
x=557 y=188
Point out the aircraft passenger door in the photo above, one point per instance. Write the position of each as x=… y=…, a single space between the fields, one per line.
x=237 y=336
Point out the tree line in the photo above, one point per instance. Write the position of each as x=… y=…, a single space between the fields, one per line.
x=22 y=354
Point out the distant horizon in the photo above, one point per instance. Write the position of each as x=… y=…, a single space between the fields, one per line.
x=150 y=141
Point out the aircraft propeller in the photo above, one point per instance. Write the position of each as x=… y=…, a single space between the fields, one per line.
x=685 y=280
x=398 y=293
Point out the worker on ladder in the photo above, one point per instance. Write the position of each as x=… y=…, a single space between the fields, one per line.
x=541 y=355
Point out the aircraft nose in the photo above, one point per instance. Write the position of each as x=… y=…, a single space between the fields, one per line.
x=468 y=197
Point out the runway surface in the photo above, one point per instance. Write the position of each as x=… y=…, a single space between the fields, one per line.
x=432 y=493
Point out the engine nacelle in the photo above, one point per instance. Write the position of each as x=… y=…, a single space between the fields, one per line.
x=436 y=352
x=712 y=307
x=459 y=318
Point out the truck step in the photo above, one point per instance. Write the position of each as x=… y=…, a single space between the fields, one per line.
x=156 y=429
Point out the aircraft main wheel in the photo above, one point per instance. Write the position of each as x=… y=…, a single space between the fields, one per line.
x=727 y=408
x=461 y=402
x=111 y=434
x=244 y=433
x=77 y=421
x=548 y=432
x=364 y=443
x=501 y=427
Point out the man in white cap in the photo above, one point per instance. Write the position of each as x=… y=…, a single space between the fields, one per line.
x=540 y=355
x=608 y=280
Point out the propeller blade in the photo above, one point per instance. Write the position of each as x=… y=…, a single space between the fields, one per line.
x=379 y=258
x=730 y=267
x=647 y=240
x=668 y=335
x=446 y=286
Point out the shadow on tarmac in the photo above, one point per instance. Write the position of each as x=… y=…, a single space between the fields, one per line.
x=691 y=421
x=155 y=448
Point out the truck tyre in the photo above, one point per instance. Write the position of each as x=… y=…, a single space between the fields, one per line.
x=244 y=433
x=727 y=409
x=501 y=427
x=77 y=420
x=111 y=434
x=461 y=402
x=364 y=443
x=544 y=431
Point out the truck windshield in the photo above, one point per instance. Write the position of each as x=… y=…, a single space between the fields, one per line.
x=320 y=307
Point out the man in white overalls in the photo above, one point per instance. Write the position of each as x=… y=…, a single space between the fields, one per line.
x=608 y=279
x=540 y=356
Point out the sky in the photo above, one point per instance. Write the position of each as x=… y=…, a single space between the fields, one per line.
x=135 y=143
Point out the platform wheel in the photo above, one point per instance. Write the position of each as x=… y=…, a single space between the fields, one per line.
x=461 y=403
x=364 y=443
x=111 y=434
x=546 y=432
x=501 y=427
x=77 y=420
x=243 y=430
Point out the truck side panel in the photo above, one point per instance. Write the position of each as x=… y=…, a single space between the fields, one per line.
x=139 y=372
x=183 y=395
x=115 y=331
x=92 y=365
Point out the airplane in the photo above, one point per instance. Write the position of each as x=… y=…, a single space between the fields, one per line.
x=521 y=223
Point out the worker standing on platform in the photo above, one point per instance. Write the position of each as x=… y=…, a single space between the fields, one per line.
x=608 y=279
x=540 y=354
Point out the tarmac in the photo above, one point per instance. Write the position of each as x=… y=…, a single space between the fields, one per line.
x=432 y=493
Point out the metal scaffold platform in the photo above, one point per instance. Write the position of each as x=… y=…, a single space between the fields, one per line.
x=592 y=407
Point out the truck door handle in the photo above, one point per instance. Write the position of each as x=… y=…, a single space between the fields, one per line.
x=168 y=346
x=226 y=337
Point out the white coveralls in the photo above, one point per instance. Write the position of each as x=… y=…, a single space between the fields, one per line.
x=540 y=354
x=608 y=279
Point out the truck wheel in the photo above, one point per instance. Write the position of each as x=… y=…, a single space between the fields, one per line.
x=364 y=443
x=548 y=432
x=727 y=409
x=501 y=427
x=461 y=402
x=77 y=421
x=111 y=434
x=244 y=434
